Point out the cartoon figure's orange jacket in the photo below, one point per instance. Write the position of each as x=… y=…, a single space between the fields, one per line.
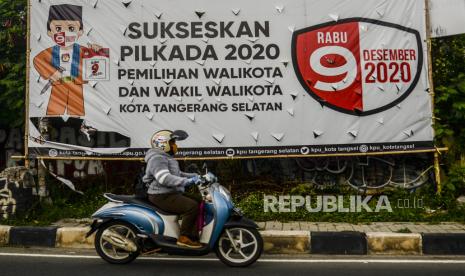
x=66 y=95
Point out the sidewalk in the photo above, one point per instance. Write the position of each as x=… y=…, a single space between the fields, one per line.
x=395 y=227
x=379 y=238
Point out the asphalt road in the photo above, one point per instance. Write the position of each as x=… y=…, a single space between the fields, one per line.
x=54 y=262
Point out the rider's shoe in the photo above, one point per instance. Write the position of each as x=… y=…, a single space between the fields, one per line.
x=186 y=242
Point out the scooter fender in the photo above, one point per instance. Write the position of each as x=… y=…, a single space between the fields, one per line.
x=145 y=220
x=222 y=213
x=240 y=221
x=96 y=224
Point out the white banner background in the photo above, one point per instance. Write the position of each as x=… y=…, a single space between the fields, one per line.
x=407 y=123
x=447 y=17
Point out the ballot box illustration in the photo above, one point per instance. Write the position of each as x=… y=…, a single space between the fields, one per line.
x=96 y=65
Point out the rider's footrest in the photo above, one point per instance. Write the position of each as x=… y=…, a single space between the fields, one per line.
x=151 y=251
x=168 y=245
x=162 y=239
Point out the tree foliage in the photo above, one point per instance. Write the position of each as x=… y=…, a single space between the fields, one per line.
x=449 y=80
x=13 y=28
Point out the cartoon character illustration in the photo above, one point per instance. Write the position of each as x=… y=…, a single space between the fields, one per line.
x=68 y=66
x=62 y=64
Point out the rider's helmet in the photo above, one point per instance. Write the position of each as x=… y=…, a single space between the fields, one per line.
x=165 y=140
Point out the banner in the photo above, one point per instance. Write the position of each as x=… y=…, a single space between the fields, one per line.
x=243 y=78
x=447 y=17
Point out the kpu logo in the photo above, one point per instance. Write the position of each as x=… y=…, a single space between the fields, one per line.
x=358 y=66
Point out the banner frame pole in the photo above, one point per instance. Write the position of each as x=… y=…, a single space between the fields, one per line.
x=437 y=165
x=26 y=100
x=435 y=150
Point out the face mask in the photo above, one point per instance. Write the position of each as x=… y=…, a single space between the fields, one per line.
x=65 y=39
x=174 y=148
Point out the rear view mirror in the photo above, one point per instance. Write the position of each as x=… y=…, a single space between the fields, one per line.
x=205 y=167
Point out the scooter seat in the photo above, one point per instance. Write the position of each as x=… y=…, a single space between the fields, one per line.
x=131 y=199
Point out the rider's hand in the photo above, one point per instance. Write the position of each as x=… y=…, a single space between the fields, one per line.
x=193 y=181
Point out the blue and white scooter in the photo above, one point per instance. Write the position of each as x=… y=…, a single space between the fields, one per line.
x=127 y=227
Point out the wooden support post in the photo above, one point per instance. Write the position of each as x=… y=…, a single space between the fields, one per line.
x=437 y=167
x=437 y=173
x=43 y=193
x=26 y=93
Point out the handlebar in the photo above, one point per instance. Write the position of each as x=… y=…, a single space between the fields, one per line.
x=207 y=180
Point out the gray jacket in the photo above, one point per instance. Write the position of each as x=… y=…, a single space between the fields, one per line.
x=163 y=173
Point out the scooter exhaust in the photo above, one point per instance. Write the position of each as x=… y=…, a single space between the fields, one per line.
x=119 y=241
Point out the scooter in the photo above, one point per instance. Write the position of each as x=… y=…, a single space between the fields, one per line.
x=127 y=227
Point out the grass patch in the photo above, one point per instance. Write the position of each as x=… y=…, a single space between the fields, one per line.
x=434 y=209
x=65 y=204
x=424 y=206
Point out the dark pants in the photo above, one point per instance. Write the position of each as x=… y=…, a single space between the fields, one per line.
x=182 y=205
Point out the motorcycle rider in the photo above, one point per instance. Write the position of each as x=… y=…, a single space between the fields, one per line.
x=167 y=185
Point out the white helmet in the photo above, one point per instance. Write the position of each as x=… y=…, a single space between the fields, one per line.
x=161 y=139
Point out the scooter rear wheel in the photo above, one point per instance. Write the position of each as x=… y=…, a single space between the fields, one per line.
x=111 y=253
x=247 y=248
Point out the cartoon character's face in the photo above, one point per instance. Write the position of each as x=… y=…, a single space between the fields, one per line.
x=65 y=32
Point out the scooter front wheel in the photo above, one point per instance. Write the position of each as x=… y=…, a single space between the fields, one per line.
x=115 y=242
x=239 y=247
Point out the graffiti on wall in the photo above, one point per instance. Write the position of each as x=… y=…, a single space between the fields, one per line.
x=76 y=168
x=361 y=173
x=16 y=184
x=7 y=201
x=11 y=143
x=364 y=173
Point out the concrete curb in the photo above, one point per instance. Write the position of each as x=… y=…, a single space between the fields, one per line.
x=339 y=243
x=380 y=243
x=4 y=235
x=32 y=236
x=74 y=237
x=286 y=242
x=275 y=241
x=443 y=244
